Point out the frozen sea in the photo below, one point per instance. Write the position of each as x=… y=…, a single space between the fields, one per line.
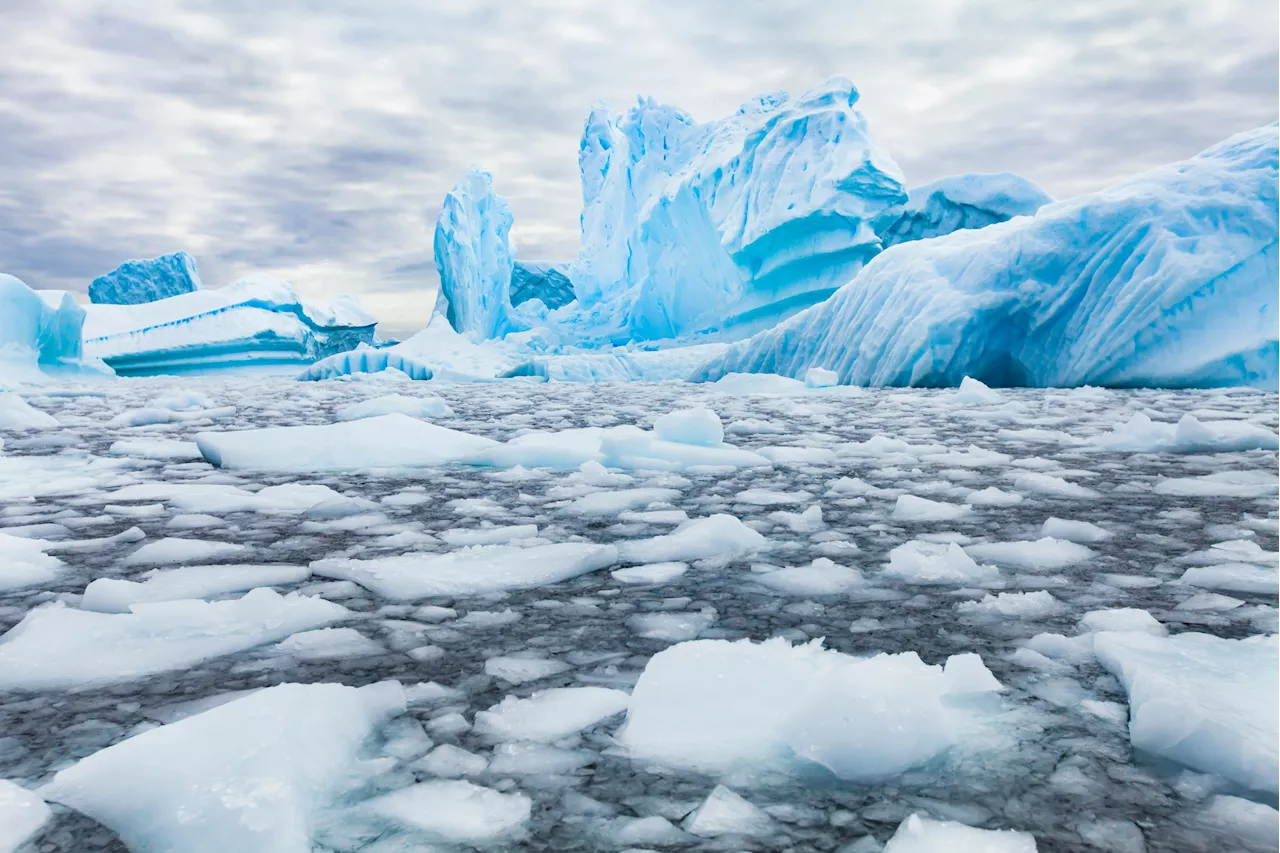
x=1060 y=766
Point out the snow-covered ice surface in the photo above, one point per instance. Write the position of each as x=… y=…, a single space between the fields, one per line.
x=1003 y=535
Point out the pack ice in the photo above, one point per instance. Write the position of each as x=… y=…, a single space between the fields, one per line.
x=1164 y=279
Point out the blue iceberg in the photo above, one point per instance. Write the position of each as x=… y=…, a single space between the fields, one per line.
x=727 y=226
x=137 y=282
x=40 y=334
x=473 y=257
x=257 y=322
x=1166 y=279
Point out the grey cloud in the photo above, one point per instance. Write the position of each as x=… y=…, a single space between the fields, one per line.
x=317 y=140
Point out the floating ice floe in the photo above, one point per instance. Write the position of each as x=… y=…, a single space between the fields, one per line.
x=55 y=647
x=921 y=562
x=470 y=571
x=23 y=563
x=1140 y=434
x=255 y=775
x=454 y=812
x=391 y=404
x=549 y=715
x=821 y=577
x=22 y=813
x=1044 y=554
x=112 y=595
x=724 y=812
x=718 y=536
x=921 y=835
x=716 y=706
x=17 y=414
x=177 y=550
x=1202 y=701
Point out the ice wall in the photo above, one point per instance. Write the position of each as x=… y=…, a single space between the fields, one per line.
x=136 y=282
x=1168 y=278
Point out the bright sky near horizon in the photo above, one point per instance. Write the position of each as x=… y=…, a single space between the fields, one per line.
x=316 y=141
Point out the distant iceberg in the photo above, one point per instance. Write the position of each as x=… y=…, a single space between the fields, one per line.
x=256 y=322
x=137 y=282
x=1166 y=279
x=40 y=334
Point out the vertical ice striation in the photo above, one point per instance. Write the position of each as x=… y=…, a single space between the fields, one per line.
x=1168 y=278
x=474 y=259
x=728 y=225
x=136 y=282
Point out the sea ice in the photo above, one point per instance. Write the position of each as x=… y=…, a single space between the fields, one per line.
x=821 y=577
x=176 y=550
x=414 y=407
x=713 y=706
x=21 y=814
x=718 y=536
x=255 y=775
x=1142 y=435
x=921 y=835
x=724 y=812
x=57 y=648
x=921 y=562
x=470 y=571
x=17 y=414
x=549 y=715
x=1044 y=554
x=112 y=595
x=454 y=811
x=385 y=441
x=23 y=563
x=1202 y=701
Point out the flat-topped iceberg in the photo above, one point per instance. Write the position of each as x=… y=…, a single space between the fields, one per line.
x=1165 y=279
x=146 y=280
x=255 y=322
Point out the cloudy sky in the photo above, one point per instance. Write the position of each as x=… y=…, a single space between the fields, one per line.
x=315 y=139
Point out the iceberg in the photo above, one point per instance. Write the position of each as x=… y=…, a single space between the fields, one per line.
x=1165 y=279
x=474 y=260
x=40 y=334
x=136 y=282
x=961 y=202
x=255 y=322
x=690 y=227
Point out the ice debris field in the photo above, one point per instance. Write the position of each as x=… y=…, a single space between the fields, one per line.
x=803 y=510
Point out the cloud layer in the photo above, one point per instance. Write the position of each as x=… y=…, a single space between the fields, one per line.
x=317 y=140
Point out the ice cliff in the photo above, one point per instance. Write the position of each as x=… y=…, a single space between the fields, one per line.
x=1168 y=278
x=136 y=282
x=540 y=280
x=255 y=322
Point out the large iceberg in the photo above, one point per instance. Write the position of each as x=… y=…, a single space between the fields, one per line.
x=136 y=282
x=690 y=228
x=40 y=333
x=255 y=322
x=1168 y=278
